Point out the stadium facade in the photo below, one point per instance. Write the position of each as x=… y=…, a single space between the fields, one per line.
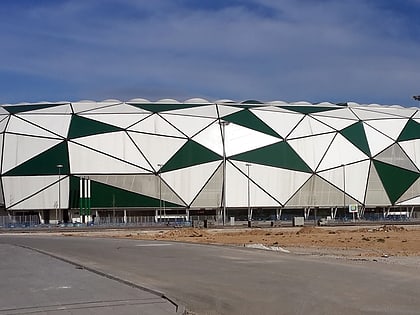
x=65 y=159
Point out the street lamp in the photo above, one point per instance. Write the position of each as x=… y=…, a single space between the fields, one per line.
x=59 y=166
x=224 y=124
x=160 y=192
x=249 y=193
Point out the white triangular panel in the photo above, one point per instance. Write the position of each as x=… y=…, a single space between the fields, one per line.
x=211 y=194
x=58 y=124
x=187 y=124
x=411 y=202
x=156 y=125
x=118 y=109
x=396 y=111
x=337 y=123
x=355 y=176
x=394 y=155
x=83 y=106
x=417 y=115
x=147 y=185
x=344 y=113
x=410 y=193
x=375 y=193
x=274 y=108
x=390 y=127
x=377 y=141
x=22 y=148
x=157 y=149
x=88 y=161
x=64 y=109
x=309 y=126
x=412 y=149
x=116 y=144
x=317 y=191
x=366 y=114
x=241 y=139
x=281 y=184
x=225 y=110
x=272 y=119
x=187 y=182
x=211 y=138
x=237 y=187
x=17 y=188
x=208 y=111
x=312 y=149
x=341 y=152
x=18 y=125
x=122 y=121
x=3 y=122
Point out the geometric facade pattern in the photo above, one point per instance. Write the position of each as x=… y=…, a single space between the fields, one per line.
x=201 y=154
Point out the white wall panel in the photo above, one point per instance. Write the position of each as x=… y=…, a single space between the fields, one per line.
x=22 y=148
x=281 y=123
x=155 y=124
x=390 y=127
x=58 y=124
x=17 y=189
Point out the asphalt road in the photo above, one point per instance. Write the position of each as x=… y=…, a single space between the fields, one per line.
x=233 y=280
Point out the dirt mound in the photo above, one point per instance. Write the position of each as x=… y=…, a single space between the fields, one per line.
x=392 y=228
x=310 y=230
x=184 y=233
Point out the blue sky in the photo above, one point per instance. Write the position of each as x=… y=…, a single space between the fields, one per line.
x=366 y=51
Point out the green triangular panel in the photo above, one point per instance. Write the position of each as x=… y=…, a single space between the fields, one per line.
x=277 y=155
x=26 y=108
x=308 y=109
x=44 y=163
x=396 y=180
x=356 y=134
x=411 y=131
x=190 y=154
x=82 y=127
x=247 y=119
x=103 y=196
x=157 y=108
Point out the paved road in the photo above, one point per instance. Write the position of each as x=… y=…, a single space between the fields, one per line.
x=228 y=280
x=34 y=283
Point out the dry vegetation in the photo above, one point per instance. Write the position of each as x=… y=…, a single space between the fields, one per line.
x=369 y=241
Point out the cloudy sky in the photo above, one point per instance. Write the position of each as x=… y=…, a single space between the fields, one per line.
x=366 y=51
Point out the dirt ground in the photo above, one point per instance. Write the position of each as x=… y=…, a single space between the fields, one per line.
x=381 y=241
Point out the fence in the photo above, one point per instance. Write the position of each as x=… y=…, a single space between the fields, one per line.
x=20 y=221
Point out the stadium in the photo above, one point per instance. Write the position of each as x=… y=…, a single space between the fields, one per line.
x=65 y=161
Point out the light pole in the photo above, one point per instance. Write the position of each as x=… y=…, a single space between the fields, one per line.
x=59 y=166
x=344 y=187
x=224 y=124
x=160 y=192
x=249 y=193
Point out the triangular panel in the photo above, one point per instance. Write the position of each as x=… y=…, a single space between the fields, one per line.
x=318 y=192
x=207 y=111
x=396 y=180
x=82 y=127
x=377 y=141
x=237 y=194
x=188 y=125
x=117 y=145
x=309 y=127
x=22 y=148
x=341 y=152
x=122 y=121
x=375 y=191
x=395 y=155
x=155 y=124
x=410 y=193
x=312 y=149
x=57 y=124
x=412 y=149
x=279 y=155
x=211 y=194
x=190 y=154
x=390 y=127
x=36 y=192
x=356 y=135
x=411 y=131
x=20 y=126
x=189 y=181
x=44 y=163
x=281 y=123
x=367 y=114
x=247 y=119
x=146 y=185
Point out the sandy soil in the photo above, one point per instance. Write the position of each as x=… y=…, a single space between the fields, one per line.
x=378 y=241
